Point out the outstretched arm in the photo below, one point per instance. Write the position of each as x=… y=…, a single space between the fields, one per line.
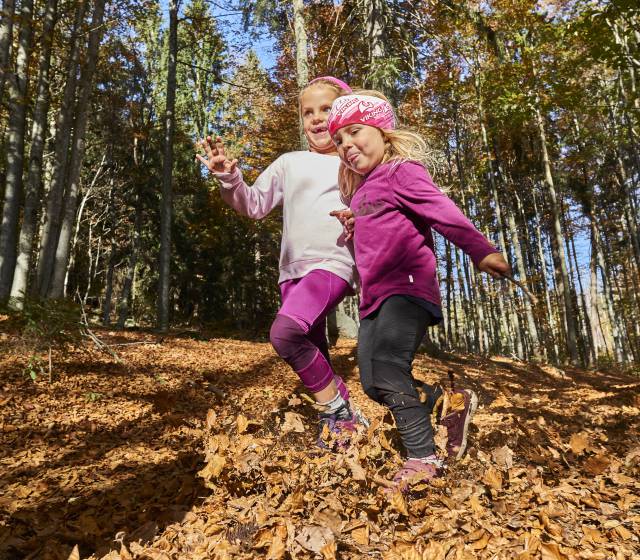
x=256 y=201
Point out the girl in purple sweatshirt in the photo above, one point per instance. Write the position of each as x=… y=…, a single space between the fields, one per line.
x=395 y=205
x=316 y=263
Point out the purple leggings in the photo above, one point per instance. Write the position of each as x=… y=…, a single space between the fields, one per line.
x=298 y=331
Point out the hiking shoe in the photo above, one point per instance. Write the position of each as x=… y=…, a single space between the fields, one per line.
x=335 y=432
x=462 y=406
x=413 y=471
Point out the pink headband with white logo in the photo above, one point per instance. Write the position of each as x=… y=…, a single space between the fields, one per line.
x=360 y=109
x=334 y=81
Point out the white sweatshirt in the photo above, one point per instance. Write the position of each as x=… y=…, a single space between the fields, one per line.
x=306 y=184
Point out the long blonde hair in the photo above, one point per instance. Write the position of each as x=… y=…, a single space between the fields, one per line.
x=401 y=144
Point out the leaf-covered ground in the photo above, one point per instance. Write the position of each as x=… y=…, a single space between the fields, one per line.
x=205 y=449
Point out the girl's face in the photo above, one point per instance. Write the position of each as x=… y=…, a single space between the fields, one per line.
x=315 y=105
x=360 y=147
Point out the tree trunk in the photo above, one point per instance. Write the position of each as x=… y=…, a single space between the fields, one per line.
x=166 y=210
x=51 y=228
x=563 y=277
x=127 y=287
x=302 y=63
x=56 y=289
x=522 y=273
x=6 y=39
x=553 y=323
x=17 y=82
x=375 y=15
x=34 y=177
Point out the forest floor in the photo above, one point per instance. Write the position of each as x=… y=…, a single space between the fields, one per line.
x=204 y=448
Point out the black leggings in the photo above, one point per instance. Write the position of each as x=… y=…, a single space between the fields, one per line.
x=387 y=342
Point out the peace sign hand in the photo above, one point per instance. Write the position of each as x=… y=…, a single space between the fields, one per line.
x=216 y=160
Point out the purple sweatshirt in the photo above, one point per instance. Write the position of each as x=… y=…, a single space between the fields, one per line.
x=395 y=208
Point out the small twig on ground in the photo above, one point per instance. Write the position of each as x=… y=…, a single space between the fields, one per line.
x=50 y=368
x=135 y=343
x=86 y=331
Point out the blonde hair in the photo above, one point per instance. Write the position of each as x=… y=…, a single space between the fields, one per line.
x=401 y=144
x=324 y=83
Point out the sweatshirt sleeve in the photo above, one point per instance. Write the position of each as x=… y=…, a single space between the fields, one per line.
x=416 y=192
x=256 y=201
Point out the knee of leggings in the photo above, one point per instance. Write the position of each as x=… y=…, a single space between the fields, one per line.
x=286 y=336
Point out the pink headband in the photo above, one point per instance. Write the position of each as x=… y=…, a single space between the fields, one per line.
x=360 y=109
x=333 y=80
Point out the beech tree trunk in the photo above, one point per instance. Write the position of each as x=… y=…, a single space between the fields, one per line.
x=6 y=35
x=56 y=289
x=33 y=187
x=302 y=63
x=17 y=84
x=59 y=164
x=166 y=209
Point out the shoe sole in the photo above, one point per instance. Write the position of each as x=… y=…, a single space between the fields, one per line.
x=473 y=405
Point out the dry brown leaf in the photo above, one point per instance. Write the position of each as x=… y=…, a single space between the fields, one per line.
x=398 y=503
x=262 y=538
x=503 y=457
x=328 y=551
x=293 y=423
x=241 y=423
x=361 y=535
x=597 y=465
x=493 y=478
x=314 y=537
x=212 y=419
x=482 y=542
x=213 y=468
x=475 y=504
x=551 y=551
x=75 y=553
x=329 y=518
x=357 y=472
x=277 y=549
x=579 y=442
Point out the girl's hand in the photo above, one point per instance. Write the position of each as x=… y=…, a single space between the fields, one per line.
x=495 y=265
x=216 y=160
x=348 y=221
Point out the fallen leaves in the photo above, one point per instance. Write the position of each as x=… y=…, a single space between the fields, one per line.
x=545 y=477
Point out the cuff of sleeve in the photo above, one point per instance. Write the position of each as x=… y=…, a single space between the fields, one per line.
x=229 y=180
x=481 y=252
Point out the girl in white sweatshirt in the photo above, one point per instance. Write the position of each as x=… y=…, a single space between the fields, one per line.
x=316 y=264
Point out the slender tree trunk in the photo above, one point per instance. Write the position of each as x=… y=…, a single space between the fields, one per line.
x=51 y=228
x=597 y=331
x=125 y=296
x=531 y=324
x=572 y=343
x=506 y=339
x=56 y=289
x=78 y=219
x=34 y=177
x=302 y=63
x=375 y=14
x=618 y=350
x=6 y=36
x=553 y=324
x=166 y=210
x=108 y=290
x=17 y=82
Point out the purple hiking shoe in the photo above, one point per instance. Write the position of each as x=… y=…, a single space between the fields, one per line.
x=414 y=471
x=335 y=433
x=462 y=406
